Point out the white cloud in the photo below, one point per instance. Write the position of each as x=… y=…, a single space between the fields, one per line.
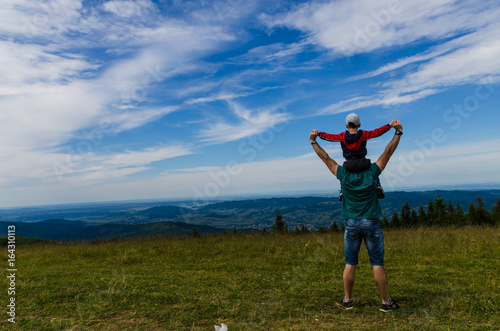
x=127 y=120
x=478 y=58
x=49 y=96
x=24 y=65
x=277 y=52
x=387 y=98
x=249 y=123
x=39 y=19
x=129 y=8
x=226 y=96
x=79 y=168
x=350 y=27
x=470 y=59
x=147 y=156
x=401 y=63
x=68 y=67
x=446 y=165
x=54 y=91
x=107 y=174
x=49 y=116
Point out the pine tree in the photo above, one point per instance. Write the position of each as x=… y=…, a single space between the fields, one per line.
x=458 y=216
x=483 y=215
x=280 y=226
x=413 y=218
x=196 y=234
x=405 y=215
x=303 y=229
x=450 y=208
x=450 y=213
x=431 y=212
x=471 y=215
x=335 y=227
x=321 y=229
x=496 y=212
x=385 y=222
x=395 y=221
x=440 y=211
x=422 y=216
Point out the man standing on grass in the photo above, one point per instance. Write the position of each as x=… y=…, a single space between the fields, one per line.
x=361 y=212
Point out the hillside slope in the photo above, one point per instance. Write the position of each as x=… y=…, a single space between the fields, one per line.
x=109 y=231
x=55 y=229
x=259 y=282
x=75 y=230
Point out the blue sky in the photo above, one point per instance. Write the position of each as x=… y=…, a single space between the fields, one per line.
x=197 y=100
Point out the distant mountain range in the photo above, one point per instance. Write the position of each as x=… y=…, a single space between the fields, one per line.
x=66 y=230
x=125 y=220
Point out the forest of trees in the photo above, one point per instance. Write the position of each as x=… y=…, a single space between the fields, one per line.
x=437 y=213
x=440 y=213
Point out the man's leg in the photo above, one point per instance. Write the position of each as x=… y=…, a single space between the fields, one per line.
x=374 y=240
x=352 y=242
x=381 y=280
x=349 y=274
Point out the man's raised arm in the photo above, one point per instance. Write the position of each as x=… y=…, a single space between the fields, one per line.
x=391 y=147
x=330 y=163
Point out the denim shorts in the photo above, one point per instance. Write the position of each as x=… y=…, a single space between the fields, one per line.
x=369 y=229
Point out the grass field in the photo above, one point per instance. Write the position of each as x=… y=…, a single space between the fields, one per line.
x=443 y=278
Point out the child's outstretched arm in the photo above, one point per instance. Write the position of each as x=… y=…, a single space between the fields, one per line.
x=376 y=133
x=332 y=137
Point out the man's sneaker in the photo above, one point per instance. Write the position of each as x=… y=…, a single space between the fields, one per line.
x=347 y=304
x=387 y=307
x=380 y=191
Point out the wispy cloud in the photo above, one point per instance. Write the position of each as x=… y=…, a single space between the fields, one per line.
x=137 y=8
x=248 y=123
x=401 y=63
x=470 y=64
x=468 y=59
x=306 y=170
x=227 y=96
x=444 y=166
x=67 y=166
x=215 y=71
x=388 y=98
x=131 y=119
x=53 y=92
x=277 y=52
x=147 y=156
x=353 y=27
x=56 y=84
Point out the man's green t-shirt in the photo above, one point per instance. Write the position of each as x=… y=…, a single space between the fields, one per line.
x=359 y=199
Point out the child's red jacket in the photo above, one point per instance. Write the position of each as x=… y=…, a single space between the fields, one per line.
x=354 y=145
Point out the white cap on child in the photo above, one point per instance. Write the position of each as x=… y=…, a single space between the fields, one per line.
x=352 y=118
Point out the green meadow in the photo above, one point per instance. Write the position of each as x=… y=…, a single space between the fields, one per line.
x=443 y=279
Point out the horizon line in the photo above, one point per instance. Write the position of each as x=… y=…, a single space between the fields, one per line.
x=317 y=193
